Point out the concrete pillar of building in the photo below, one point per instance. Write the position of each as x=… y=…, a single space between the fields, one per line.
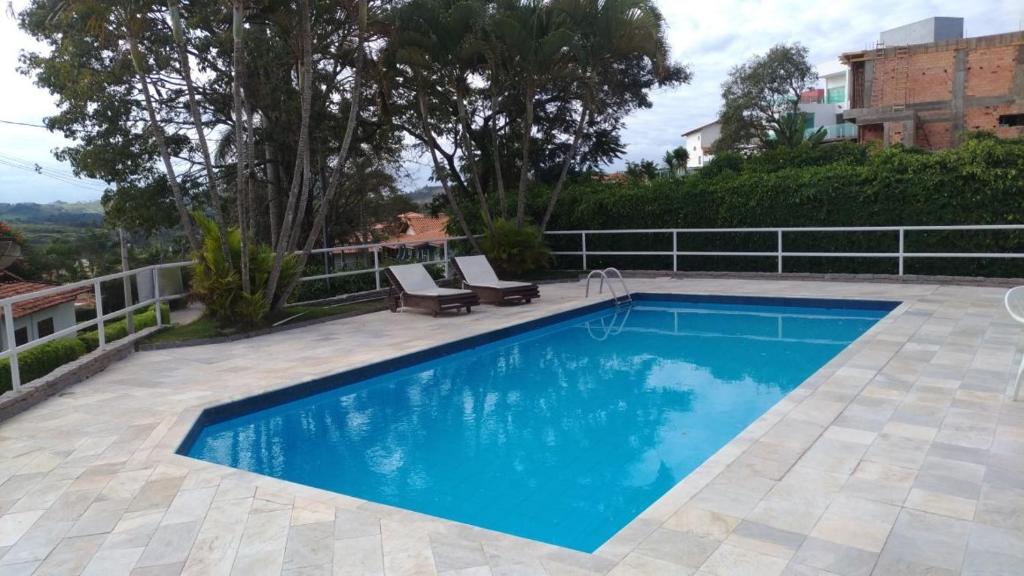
x=1018 y=75
x=909 y=131
x=958 y=93
x=869 y=83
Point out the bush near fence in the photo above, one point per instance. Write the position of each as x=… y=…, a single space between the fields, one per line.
x=841 y=185
x=39 y=361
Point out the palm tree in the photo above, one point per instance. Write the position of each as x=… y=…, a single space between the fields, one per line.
x=676 y=160
x=535 y=46
x=670 y=163
x=241 y=134
x=428 y=44
x=212 y=183
x=336 y=175
x=134 y=23
x=681 y=157
x=281 y=246
x=604 y=33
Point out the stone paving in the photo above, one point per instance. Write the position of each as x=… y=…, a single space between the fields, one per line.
x=904 y=455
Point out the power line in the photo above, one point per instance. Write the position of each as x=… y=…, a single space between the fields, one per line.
x=13 y=123
x=62 y=176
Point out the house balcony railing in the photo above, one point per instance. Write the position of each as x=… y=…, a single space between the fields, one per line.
x=844 y=131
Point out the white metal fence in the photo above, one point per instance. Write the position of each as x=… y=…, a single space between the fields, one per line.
x=678 y=251
x=95 y=284
x=377 y=269
x=152 y=273
x=899 y=254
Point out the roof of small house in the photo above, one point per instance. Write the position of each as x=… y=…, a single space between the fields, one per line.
x=417 y=228
x=701 y=127
x=10 y=288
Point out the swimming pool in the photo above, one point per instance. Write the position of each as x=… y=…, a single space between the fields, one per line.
x=560 y=430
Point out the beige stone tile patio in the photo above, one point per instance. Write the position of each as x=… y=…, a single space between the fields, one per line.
x=903 y=455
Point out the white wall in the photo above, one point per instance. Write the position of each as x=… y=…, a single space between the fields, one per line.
x=63 y=317
x=698 y=140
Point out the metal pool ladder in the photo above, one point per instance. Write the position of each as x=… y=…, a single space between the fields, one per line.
x=606 y=275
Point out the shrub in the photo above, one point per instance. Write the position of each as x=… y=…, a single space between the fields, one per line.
x=515 y=251
x=218 y=284
x=979 y=182
x=114 y=331
x=41 y=360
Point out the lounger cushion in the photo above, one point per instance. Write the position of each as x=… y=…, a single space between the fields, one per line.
x=477 y=271
x=501 y=284
x=416 y=281
x=438 y=292
x=414 y=278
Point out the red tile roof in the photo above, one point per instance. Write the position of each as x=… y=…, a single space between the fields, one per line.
x=26 y=307
x=422 y=228
x=415 y=228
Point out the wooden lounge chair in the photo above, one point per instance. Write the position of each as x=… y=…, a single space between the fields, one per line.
x=478 y=276
x=412 y=286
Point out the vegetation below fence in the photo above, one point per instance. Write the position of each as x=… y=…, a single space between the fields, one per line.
x=841 y=185
x=40 y=360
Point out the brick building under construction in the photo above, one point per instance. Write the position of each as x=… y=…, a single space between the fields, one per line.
x=925 y=85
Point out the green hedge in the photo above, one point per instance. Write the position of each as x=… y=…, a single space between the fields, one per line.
x=45 y=358
x=41 y=360
x=114 y=331
x=980 y=182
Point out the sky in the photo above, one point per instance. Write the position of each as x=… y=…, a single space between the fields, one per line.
x=711 y=37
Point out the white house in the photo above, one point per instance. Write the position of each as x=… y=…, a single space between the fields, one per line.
x=38 y=317
x=824 y=105
x=700 y=142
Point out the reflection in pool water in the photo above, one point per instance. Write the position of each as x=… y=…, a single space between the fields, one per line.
x=562 y=434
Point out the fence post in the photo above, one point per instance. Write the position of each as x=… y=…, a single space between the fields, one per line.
x=675 y=251
x=156 y=296
x=376 y=266
x=100 y=331
x=901 y=251
x=583 y=244
x=446 y=258
x=780 y=249
x=126 y=280
x=12 y=346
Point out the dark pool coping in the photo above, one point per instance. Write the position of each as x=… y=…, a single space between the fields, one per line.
x=227 y=411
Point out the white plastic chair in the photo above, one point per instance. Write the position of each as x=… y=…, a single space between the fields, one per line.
x=1015 y=306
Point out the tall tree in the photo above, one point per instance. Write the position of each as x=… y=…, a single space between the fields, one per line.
x=609 y=36
x=212 y=182
x=761 y=99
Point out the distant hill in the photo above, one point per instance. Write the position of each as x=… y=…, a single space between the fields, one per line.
x=425 y=195
x=78 y=214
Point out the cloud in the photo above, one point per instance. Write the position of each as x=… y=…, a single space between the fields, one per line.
x=22 y=101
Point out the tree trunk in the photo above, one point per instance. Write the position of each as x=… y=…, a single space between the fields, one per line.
x=524 y=168
x=165 y=154
x=467 y=151
x=241 y=145
x=569 y=158
x=250 y=172
x=346 y=144
x=498 y=177
x=441 y=175
x=272 y=187
x=213 y=184
x=302 y=150
x=303 y=207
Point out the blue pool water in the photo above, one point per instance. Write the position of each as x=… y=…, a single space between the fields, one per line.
x=562 y=434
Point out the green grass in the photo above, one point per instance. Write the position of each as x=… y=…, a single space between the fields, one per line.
x=206 y=327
